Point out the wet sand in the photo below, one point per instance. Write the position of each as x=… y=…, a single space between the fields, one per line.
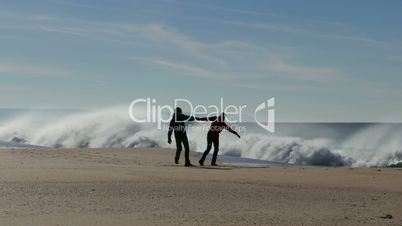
x=144 y=187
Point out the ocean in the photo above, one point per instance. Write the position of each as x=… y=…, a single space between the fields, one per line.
x=318 y=144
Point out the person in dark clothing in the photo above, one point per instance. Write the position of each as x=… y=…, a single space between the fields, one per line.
x=213 y=138
x=177 y=124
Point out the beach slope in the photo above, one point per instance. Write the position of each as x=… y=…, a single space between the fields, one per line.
x=144 y=187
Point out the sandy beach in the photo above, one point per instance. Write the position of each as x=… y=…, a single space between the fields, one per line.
x=144 y=187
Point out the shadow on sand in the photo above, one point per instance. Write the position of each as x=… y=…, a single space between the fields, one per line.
x=203 y=167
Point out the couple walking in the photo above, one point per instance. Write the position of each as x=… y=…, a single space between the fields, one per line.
x=177 y=125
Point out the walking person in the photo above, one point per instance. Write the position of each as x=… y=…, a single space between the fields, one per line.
x=213 y=138
x=178 y=126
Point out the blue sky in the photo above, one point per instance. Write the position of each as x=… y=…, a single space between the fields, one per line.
x=321 y=60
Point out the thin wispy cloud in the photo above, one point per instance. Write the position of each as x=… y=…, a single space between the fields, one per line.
x=78 y=4
x=33 y=70
x=266 y=26
x=43 y=71
x=24 y=16
x=281 y=67
x=97 y=34
x=203 y=72
x=299 y=30
x=187 y=69
x=351 y=38
x=266 y=87
x=219 y=8
x=191 y=70
x=64 y=30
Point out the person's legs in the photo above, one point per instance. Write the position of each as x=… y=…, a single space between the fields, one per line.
x=216 y=149
x=206 y=152
x=186 y=150
x=178 y=149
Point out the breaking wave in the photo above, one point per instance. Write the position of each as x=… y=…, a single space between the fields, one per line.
x=288 y=150
x=108 y=128
x=377 y=145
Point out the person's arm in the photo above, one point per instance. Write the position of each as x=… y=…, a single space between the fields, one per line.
x=192 y=118
x=184 y=118
x=171 y=125
x=228 y=128
x=210 y=119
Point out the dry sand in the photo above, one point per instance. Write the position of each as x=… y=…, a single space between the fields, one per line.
x=143 y=187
